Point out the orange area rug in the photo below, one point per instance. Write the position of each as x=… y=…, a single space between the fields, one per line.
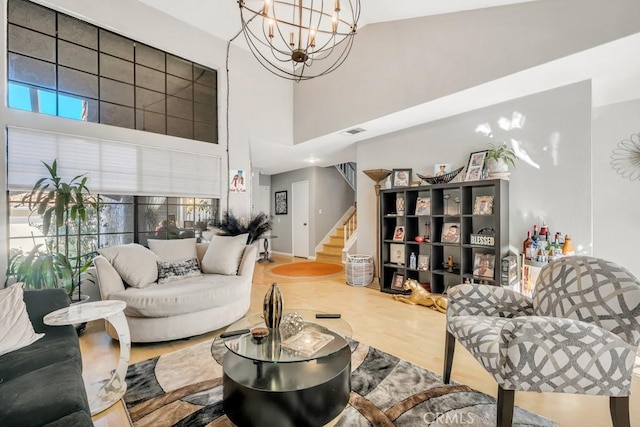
x=307 y=269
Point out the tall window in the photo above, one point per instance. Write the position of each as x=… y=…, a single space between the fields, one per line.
x=62 y=66
x=117 y=220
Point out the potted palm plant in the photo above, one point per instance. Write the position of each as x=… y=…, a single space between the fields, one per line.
x=62 y=206
x=499 y=157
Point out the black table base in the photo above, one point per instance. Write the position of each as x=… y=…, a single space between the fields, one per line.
x=265 y=256
x=309 y=393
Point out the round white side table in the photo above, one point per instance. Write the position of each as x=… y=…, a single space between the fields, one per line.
x=102 y=394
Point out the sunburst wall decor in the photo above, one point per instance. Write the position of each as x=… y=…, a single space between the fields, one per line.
x=625 y=158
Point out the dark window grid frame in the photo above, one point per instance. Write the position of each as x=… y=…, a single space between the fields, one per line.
x=60 y=236
x=135 y=232
x=192 y=64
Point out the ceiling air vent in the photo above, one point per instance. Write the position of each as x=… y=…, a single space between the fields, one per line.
x=353 y=131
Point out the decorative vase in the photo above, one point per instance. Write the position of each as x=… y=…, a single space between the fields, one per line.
x=272 y=307
x=567 y=247
x=400 y=206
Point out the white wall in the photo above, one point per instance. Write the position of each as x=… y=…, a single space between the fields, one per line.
x=616 y=209
x=556 y=134
x=400 y=64
x=260 y=104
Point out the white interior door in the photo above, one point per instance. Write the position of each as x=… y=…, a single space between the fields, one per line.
x=300 y=218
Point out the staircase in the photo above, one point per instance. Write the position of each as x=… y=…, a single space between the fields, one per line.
x=332 y=252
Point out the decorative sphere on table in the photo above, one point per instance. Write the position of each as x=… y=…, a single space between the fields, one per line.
x=272 y=307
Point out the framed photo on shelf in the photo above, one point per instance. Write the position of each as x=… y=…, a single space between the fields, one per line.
x=483 y=265
x=483 y=205
x=398 y=233
x=401 y=178
x=441 y=169
x=475 y=165
x=397 y=281
x=281 y=202
x=423 y=262
x=396 y=254
x=450 y=232
x=423 y=206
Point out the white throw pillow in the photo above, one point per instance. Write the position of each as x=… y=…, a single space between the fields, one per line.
x=16 y=330
x=224 y=254
x=174 y=250
x=133 y=262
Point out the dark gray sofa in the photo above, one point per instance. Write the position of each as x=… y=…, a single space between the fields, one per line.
x=41 y=384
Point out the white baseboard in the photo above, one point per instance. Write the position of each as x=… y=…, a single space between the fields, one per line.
x=290 y=254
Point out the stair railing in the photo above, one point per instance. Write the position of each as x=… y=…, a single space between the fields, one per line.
x=348 y=171
x=350 y=226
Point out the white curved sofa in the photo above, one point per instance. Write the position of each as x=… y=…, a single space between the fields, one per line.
x=180 y=308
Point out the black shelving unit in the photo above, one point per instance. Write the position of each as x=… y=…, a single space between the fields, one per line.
x=451 y=204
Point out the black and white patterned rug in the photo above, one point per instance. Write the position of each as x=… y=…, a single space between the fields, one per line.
x=184 y=388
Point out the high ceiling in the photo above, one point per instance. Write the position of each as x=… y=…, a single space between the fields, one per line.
x=613 y=68
x=221 y=18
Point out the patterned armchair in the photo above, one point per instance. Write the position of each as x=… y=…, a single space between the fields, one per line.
x=578 y=334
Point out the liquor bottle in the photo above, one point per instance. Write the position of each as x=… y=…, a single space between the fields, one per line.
x=547 y=239
x=556 y=248
x=544 y=229
x=526 y=246
x=535 y=237
x=412 y=261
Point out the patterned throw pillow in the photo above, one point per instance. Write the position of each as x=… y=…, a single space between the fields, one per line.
x=169 y=271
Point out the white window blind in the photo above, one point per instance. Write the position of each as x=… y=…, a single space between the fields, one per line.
x=111 y=167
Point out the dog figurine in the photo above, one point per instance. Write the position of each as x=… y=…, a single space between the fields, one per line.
x=419 y=296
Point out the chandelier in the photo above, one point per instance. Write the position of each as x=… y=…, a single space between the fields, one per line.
x=300 y=39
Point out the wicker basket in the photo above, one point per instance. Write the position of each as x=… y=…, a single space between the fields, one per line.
x=359 y=270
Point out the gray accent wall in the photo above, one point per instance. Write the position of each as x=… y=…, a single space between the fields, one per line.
x=330 y=196
x=554 y=186
x=616 y=208
x=397 y=65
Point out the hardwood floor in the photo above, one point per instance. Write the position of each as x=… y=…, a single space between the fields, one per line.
x=413 y=333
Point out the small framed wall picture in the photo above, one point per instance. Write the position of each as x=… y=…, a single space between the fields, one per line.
x=396 y=254
x=281 y=202
x=475 y=166
x=397 y=281
x=483 y=205
x=398 y=233
x=401 y=178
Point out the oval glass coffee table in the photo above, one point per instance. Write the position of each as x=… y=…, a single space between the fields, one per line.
x=300 y=375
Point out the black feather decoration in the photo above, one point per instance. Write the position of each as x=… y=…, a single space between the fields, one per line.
x=257 y=226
